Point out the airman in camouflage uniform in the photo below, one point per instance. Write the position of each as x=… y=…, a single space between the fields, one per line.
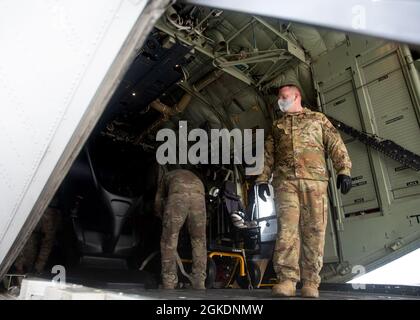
x=180 y=197
x=295 y=154
x=37 y=249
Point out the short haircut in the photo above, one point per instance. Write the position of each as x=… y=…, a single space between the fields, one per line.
x=291 y=86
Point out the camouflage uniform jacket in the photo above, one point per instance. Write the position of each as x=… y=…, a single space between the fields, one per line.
x=296 y=148
x=176 y=181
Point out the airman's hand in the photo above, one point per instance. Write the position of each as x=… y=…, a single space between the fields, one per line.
x=344 y=183
x=263 y=189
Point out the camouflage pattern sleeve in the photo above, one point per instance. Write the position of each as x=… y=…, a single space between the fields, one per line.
x=336 y=148
x=159 y=197
x=268 y=160
x=50 y=222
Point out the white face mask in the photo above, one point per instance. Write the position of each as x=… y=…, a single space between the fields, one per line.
x=285 y=104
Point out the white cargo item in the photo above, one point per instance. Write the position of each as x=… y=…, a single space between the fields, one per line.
x=39 y=289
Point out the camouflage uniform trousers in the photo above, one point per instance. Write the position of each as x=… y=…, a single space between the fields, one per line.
x=26 y=258
x=37 y=249
x=302 y=211
x=181 y=207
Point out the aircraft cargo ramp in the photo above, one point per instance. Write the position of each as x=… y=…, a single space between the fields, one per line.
x=42 y=289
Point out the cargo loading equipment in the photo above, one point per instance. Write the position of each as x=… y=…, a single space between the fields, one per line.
x=384 y=146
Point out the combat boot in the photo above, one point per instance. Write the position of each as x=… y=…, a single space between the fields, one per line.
x=198 y=284
x=286 y=288
x=168 y=285
x=310 y=290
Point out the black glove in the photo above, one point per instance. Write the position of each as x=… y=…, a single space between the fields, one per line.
x=344 y=183
x=263 y=188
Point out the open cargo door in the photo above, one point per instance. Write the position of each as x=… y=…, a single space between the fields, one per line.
x=61 y=62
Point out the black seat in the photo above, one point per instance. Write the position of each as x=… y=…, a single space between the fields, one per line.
x=231 y=201
x=119 y=208
x=109 y=211
x=231 y=222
